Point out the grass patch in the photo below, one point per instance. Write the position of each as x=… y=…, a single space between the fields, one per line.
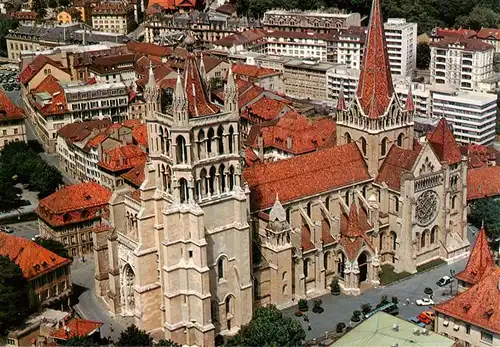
x=387 y=275
x=430 y=265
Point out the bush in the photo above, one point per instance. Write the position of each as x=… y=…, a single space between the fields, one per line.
x=298 y=313
x=395 y=300
x=340 y=327
x=356 y=316
x=428 y=291
x=383 y=301
x=303 y=305
x=335 y=286
x=317 y=306
x=366 y=308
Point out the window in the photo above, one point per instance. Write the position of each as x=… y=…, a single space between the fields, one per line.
x=396 y=203
x=486 y=337
x=220 y=268
x=363 y=145
x=190 y=254
x=467 y=329
x=306 y=268
x=383 y=147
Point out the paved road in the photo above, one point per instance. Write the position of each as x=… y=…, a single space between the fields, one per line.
x=340 y=308
x=27 y=230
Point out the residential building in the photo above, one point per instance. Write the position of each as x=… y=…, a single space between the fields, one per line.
x=472 y=317
x=306 y=79
x=490 y=36
x=383 y=329
x=114 y=68
x=69 y=15
x=471 y=114
x=437 y=34
x=12 y=122
x=263 y=77
x=401 y=38
x=113 y=17
x=70 y=214
x=341 y=78
x=48 y=275
x=320 y=21
x=484 y=183
x=461 y=62
x=421 y=94
x=346 y=47
x=25 y=17
x=117 y=161
x=35 y=72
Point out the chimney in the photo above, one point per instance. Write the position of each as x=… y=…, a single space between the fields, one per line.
x=260 y=141
x=289 y=142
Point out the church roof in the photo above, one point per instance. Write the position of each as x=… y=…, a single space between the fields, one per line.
x=375 y=88
x=410 y=105
x=353 y=230
x=444 y=144
x=277 y=212
x=479 y=260
x=398 y=161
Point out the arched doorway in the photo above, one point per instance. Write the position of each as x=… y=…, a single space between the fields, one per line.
x=127 y=289
x=363 y=267
x=340 y=264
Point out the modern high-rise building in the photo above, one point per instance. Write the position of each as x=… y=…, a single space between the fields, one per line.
x=401 y=38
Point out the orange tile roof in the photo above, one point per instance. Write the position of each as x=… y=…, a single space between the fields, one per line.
x=172 y=4
x=479 y=260
x=305 y=135
x=353 y=230
x=65 y=206
x=33 y=259
x=488 y=34
x=250 y=157
x=140 y=134
x=79 y=131
x=136 y=175
x=305 y=175
x=398 y=161
x=35 y=66
x=326 y=237
x=454 y=32
x=483 y=182
x=306 y=242
x=265 y=109
x=473 y=45
x=444 y=144
x=480 y=155
x=58 y=103
x=132 y=123
x=76 y=327
x=122 y=158
x=479 y=305
x=9 y=110
x=149 y=48
x=253 y=71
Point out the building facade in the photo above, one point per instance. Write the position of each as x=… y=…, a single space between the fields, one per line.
x=306 y=79
x=112 y=17
x=309 y=20
x=12 y=122
x=402 y=46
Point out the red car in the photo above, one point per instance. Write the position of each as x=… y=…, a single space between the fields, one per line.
x=424 y=319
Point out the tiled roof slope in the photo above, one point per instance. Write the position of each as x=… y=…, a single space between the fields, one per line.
x=35 y=66
x=57 y=105
x=472 y=45
x=265 y=108
x=305 y=175
x=479 y=260
x=375 y=88
x=9 y=110
x=479 y=305
x=76 y=327
x=444 y=144
x=140 y=134
x=488 y=33
x=353 y=230
x=33 y=259
x=483 y=182
x=79 y=131
x=398 y=161
x=136 y=175
x=122 y=158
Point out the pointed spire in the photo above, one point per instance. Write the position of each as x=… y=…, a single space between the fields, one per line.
x=375 y=80
x=230 y=78
x=203 y=71
x=353 y=226
x=179 y=89
x=277 y=213
x=409 y=106
x=341 y=100
x=151 y=78
x=444 y=144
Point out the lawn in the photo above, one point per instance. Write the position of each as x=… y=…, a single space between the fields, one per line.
x=387 y=275
x=430 y=265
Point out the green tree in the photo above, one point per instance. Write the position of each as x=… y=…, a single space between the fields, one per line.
x=133 y=336
x=53 y=246
x=14 y=295
x=79 y=341
x=52 y=3
x=64 y=3
x=5 y=26
x=423 y=56
x=45 y=179
x=39 y=7
x=479 y=17
x=269 y=328
x=167 y=343
x=487 y=210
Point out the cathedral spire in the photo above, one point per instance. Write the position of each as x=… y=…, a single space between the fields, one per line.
x=151 y=80
x=231 y=93
x=341 y=100
x=409 y=106
x=375 y=80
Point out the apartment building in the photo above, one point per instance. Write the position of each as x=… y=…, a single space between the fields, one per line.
x=342 y=78
x=421 y=95
x=114 y=68
x=319 y=21
x=461 y=62
x=12 y=122
x=401 y=38
x=306 y=79
x=70 y=214
x=490 y=36
x=113 y=17
x=472 y=114
x=346 y=47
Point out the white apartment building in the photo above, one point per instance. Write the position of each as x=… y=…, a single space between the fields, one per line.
x=301 y=45
x=114 y=68
x=472 y=114
x=421 y=97
x=461 y=62
x=401 y=38
x=320 y=21
x=340 y=77
x=113 y=18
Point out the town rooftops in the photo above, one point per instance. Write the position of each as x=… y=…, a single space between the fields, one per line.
x=478 y=305
x=9 y=110
x=49 y=98
x=398 y=161
x=122 y=158
x=33 y=259
x=444 y=144
x=440 y=32
x=35 y=66
x=75 y=132
x=149 y=49
x=253 y=71
x=463 y=42
x=140 y=134
x=488 y=34
x=136 y=175
x=483 y=182
x=114 y=63
x=110 y=8
x=76 y=327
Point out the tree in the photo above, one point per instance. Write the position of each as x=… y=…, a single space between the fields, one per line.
x=269 y=328
x=423 y=56
x=52 y=3
x=81 y=341
x=167 y=343
x=487 y=210
x=64 y=3
x=53 y=246
x=479 y=17
x=133 y=336
x=365 y=308
x=5 y=26
x=45 y=179
x=39 y=7
x=14 y=295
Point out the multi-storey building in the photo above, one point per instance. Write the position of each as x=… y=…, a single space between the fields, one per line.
x=114 y=68
x=69 y=215
x=402 y=46
x=48 y=275
x=114 y=17
x=346 y=47
x=309 y=20
x=12 y=122
x=342 y=79
x=306 y=79
x=472 y=114
x=263 y=77
x=490 y=36
x=461 y=62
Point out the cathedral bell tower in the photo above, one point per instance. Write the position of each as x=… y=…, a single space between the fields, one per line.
x=376 y=118
x=151 y=95
x=231 y=94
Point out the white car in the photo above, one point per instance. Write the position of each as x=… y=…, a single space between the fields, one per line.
x=444 y=281
x=424 y=302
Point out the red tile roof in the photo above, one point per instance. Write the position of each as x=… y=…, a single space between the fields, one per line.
x=353 y=230
x=136 y=175
x=466 y=44
x=35 y=66
x=409 y=104
x=172 y=4
x=488 y=34
x=480 y=156
x=33 y=259
x=265 y=109
x=375 y=88
x=326 y=237
x=479 y=305
x=483 y=182
x=479 y=260
x=304 y=135
x=398 y=161
x=140 y=134
x=253 y=71
x=132 y=123
x=79 y=131
x=305 y=175
x=9 y=110
x=305 y=235
x=444 y=144
x=24 y=15
x=149 y=48
x=57 y=105
x=122 y=158
x=76 y=327
x=250 y=157
x=65 y=206
x=161 y=73
x=95 y=141
x=454 y=32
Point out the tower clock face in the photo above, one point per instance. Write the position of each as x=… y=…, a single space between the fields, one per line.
x=427 y=208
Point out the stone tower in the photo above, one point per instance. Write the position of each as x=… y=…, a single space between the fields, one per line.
x=375 y=119
x=151 y=95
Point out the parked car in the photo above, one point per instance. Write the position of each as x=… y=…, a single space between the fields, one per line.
x=6 y=229
x=425 y=302
x=416 y=321
x=429 y=314
x=444 y=281
x=424 y=319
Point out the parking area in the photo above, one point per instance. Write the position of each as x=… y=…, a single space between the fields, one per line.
x=28 y=230
x=9 y=80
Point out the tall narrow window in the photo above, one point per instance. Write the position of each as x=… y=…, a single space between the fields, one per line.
x=220 y=268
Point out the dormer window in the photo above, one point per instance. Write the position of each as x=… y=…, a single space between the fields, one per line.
x=84 y=214
x=66 y=217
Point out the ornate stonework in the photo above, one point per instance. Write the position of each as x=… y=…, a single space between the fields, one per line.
x=427 y=208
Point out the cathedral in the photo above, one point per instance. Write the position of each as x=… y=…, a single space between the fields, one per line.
x=203 y=240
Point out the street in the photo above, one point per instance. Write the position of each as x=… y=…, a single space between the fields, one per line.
x=27 y=230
